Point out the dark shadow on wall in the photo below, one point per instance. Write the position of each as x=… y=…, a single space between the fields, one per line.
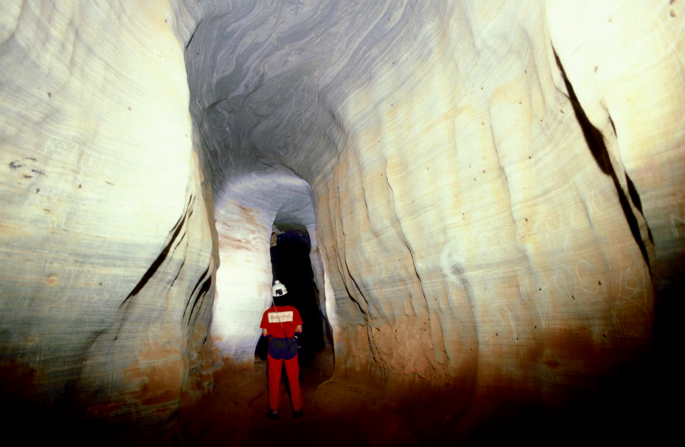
x=632 y=407
x=595 y=142
x=291 y=265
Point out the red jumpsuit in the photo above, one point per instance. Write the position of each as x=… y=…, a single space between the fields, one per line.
x=280 y=324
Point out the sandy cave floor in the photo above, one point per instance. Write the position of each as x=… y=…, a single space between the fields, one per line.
x=235 y=412
x=340 y=414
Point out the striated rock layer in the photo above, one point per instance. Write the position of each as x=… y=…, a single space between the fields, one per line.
x=481 y=175
x=106 y=265
x=494 y=191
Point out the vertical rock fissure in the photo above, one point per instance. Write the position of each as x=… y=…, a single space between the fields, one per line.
x=597 y=146
x=203 y=280
x=162 y=256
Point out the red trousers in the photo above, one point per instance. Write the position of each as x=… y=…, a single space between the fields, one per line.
x=292 y=370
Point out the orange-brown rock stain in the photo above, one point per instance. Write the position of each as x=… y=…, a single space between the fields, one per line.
x=105 y=410
x=52 y=279
x=249 y=224
x=249 y=215
x=156 y=378
x=17 y=381
x=407 y=348
x=155 y=383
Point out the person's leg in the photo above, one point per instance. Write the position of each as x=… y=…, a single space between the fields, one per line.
x=292 y=369
x=275 y=367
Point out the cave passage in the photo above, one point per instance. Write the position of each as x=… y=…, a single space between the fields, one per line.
x=482 y=201
x=292 y=266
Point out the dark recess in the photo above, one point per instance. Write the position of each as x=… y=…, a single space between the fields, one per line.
x=630 y=405
x=291 y=265
x=163 y=255
x=595 y=142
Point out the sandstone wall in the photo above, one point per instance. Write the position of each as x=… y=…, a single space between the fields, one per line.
x=106 y=265
x=498 y=191
x=495 y=209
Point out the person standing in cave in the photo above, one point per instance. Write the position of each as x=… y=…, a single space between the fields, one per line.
x=280 y=323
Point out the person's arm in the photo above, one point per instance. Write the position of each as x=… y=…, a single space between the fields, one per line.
x=264 y=324
x=298 y=320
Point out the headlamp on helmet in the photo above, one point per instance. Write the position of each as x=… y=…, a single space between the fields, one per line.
x=278 y=289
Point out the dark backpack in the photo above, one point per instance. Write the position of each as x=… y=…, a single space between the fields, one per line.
x=283 y=348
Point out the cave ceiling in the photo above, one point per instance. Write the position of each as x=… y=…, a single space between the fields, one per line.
x=493 y=193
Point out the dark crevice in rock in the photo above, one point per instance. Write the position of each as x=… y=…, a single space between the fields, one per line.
x=613 y=126
x=635 y=197
x=192 y=36
x=180 y=240
x=162 y=256
x=204 y=284
x=178 y=273
x=201 y=294
x=597 y=146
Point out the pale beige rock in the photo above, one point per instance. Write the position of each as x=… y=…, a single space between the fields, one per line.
x=628 y=75
x=106 y=264
x=494 y=191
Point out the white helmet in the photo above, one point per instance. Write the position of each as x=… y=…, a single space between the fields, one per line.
x=278 y=289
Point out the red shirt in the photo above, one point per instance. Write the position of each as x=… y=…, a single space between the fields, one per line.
x=279 y=319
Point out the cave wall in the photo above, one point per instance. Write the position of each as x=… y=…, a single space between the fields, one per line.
x=626 y=65
x=481 y=173
x=498 y=193
x=508 y=268
x=107 y=259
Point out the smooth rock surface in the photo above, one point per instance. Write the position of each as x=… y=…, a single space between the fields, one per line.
x=106 y=264
x=494 y=193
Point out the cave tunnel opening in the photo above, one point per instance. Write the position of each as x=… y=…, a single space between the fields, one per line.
x=291 y=265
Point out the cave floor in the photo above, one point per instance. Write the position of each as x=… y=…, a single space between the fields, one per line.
x=235 y=412
x=343 y=414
